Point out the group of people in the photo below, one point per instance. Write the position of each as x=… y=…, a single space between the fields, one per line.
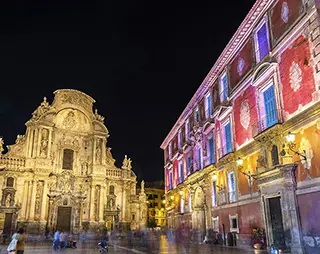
x=63 y=240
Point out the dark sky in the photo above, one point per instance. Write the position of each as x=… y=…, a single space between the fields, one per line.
x=140 y=60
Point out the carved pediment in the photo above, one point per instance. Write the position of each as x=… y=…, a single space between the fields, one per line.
x=18 y=148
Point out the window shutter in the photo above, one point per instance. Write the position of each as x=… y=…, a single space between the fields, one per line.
x=270 y=106
x=228 y=138
x=263 y=41
x=211 y=148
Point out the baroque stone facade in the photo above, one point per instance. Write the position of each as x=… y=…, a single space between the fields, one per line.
x=61 y=174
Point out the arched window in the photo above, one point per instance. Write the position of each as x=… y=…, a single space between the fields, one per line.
x=111 y=190
x=10 y=182
x=67 y=159
x=275 y=155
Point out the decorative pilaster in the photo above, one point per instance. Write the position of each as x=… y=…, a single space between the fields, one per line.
x=44 y=201
x=102 y=202
x=92 y=203
x=32 y=199
x=24 y=201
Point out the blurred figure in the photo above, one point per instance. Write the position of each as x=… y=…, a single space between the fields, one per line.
x=21 y=237
x=56 y=239
x=129 y=238
x=103 y=244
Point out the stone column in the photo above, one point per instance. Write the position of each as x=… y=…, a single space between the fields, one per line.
x=124 y=201
x=28 y=207
x=24 y=201
x=94 y=150
x=103 y=151
x=34 y=143
x=92 y=203
x=102 y=202
x=38 y=141
x=44 y=201
x=49 y=145
x=33 y=199
x=291 y=221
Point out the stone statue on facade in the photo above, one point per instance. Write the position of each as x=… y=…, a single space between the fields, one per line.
x=1 y=145
x=98 y=151
x=44 y=107
x=109 y=158
x=8 y=200
x=129 y=164
x=44 y=143
x=97 y=116
x=125 y=162
x=142 y=186
x=69 y=122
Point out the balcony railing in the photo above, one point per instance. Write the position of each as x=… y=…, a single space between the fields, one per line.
x=232 y=197
x=114 y=173
x=12 y=163
x=222 y=198
x=266 y=121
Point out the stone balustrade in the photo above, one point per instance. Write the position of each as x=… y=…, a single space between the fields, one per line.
x=114 y=173
x=12 y=163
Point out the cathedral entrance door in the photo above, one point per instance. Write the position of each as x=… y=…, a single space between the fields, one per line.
x=64 y=218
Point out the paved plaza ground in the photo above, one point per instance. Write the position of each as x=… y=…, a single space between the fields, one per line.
x=157 y=246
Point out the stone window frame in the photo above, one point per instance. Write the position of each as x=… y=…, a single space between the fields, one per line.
x=215 y=224
x=231 y=218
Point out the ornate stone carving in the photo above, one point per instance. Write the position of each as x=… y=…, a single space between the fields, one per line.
x=39 y=190
x=65 y=182
x=8 y=200
x=44 y=107
x=295 y=76
x=245 y=114
x=96 y=202
x=98 y=151
x=75 y=97
x=240 y=66
x=69 y=122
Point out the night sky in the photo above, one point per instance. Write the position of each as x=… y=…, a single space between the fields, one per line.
x=141 y=61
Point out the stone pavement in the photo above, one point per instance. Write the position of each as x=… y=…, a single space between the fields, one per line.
x=160 y=245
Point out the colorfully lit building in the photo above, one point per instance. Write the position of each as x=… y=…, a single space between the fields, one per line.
x=245 y=151
x=156 y=204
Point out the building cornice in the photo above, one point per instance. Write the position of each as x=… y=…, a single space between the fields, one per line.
x=242 y=33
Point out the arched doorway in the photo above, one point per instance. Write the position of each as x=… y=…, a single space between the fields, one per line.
x=198 y=215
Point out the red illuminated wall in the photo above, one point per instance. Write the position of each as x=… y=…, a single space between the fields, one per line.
x=241 y=64
x=249 y=216
x=247 y=99
x=309 y=207
x=280 y=25
x=292 y=62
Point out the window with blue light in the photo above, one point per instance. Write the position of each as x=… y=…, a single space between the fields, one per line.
x=211 y=150
x=208 y=105
x=223 y=87
x=214 y=194
x=197 y=115
x=227 y=130
x=170 y=180
x=180 y=139
x=180 y=172
x=261 y=41
x=187 y=129
x=199 y=158
x=189 y=162
x=232 y=187
x=270 y=106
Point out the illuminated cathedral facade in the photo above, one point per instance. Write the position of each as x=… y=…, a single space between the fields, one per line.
x=61 y=174
x=245 y=152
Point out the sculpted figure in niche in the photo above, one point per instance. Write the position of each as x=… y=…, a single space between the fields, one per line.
x=8 y=200
x=69 y=122
x=44 y=143
x=98 y=151
x=84 y=168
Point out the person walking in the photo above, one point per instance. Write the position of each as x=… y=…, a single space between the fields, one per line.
x=19 y=238
x=56 y=239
